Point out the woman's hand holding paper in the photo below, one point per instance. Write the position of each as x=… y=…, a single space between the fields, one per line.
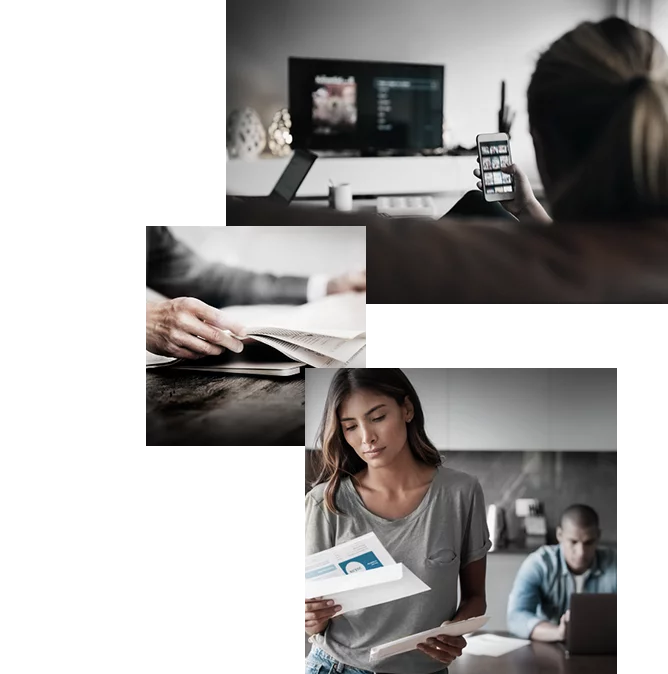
x=443 y=648
x=319 y=611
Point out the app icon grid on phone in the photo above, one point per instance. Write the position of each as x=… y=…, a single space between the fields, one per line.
x=495 y=156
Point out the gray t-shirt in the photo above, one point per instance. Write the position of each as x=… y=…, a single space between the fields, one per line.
x=447 y=531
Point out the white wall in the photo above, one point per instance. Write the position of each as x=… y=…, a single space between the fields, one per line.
x=503 y=409
x=281 y=250
x=480 y=42
x=658 y=22
x=429 y=384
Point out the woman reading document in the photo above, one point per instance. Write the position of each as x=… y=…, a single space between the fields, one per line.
x=381 y=473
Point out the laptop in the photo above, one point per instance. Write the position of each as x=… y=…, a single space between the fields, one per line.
x=592 y=628
x=292 y=177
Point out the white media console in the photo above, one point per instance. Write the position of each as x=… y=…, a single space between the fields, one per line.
x=371 y=176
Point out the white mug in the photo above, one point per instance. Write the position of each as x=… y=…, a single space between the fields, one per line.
x=341 y=197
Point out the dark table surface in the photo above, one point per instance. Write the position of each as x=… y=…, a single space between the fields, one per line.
x=535 y=658
x=186 y=408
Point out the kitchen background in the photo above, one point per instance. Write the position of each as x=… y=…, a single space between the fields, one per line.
x=556 y=479
x=543 y=434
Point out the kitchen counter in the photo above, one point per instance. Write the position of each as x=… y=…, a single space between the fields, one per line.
x=522 y=548
x=516 y=548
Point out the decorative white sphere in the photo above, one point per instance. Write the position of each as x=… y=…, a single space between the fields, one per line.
x=246 y=136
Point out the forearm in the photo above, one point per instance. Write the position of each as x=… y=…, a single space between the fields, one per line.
x=471 y=607
x=546 y=631
x=220 y=285
x=535 y=213
x=175 y=270
x=319 y=629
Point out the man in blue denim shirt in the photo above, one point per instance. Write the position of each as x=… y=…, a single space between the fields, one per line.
x=538 y=606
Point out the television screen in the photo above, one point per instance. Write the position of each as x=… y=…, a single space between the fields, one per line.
x=366 y=107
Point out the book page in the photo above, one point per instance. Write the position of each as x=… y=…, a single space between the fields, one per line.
x=290 y=334
x=300 y=353
x=340 y=349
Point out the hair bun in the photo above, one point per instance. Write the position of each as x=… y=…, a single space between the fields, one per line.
x=636 y=83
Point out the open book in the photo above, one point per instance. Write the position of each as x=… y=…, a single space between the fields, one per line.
x=328 y=333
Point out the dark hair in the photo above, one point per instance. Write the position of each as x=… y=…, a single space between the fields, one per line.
x=338 y=457
x=598 y=102
x=582 y=515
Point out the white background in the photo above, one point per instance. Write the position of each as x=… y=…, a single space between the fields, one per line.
x=116 y=557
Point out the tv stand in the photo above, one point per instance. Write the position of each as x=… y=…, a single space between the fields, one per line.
x=339 y=154
x=335 y=154
x=375 y=176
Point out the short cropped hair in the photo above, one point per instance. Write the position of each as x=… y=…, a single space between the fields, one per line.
x=582 y=515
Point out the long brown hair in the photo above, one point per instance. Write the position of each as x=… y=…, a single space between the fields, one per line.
x=598 y=103
x=338 y=457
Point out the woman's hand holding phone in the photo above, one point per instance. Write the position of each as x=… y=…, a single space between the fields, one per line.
x=319 y=612
x=524 y=206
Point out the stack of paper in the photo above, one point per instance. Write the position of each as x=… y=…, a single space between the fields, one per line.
x=358 y=574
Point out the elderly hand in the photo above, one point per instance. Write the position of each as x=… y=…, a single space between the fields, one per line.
x=350 y=282
x=185 y=327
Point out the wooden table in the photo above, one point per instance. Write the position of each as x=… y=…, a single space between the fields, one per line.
x=186 y=408
x=536 y=658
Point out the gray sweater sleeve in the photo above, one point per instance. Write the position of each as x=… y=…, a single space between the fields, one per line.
x=320 y=531
x=175 y=270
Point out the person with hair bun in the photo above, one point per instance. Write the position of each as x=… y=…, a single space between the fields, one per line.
x=381 y=473
x=598 y=115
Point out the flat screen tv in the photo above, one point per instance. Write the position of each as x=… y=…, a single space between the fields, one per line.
x=365 y=107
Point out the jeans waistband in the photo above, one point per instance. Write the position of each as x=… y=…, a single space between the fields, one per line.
x=338 y=666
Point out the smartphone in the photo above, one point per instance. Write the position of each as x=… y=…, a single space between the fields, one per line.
x=493 y=153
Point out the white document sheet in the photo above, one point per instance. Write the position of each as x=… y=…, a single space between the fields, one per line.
x=330 y=332
x=409 y=643
x=342 y=312
x=492 y=645
x=358 y=574
x=359 y=359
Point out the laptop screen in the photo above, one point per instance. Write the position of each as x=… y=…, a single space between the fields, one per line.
x=293 y=176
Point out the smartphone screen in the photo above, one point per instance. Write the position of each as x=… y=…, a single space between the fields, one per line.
x=493 y=155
